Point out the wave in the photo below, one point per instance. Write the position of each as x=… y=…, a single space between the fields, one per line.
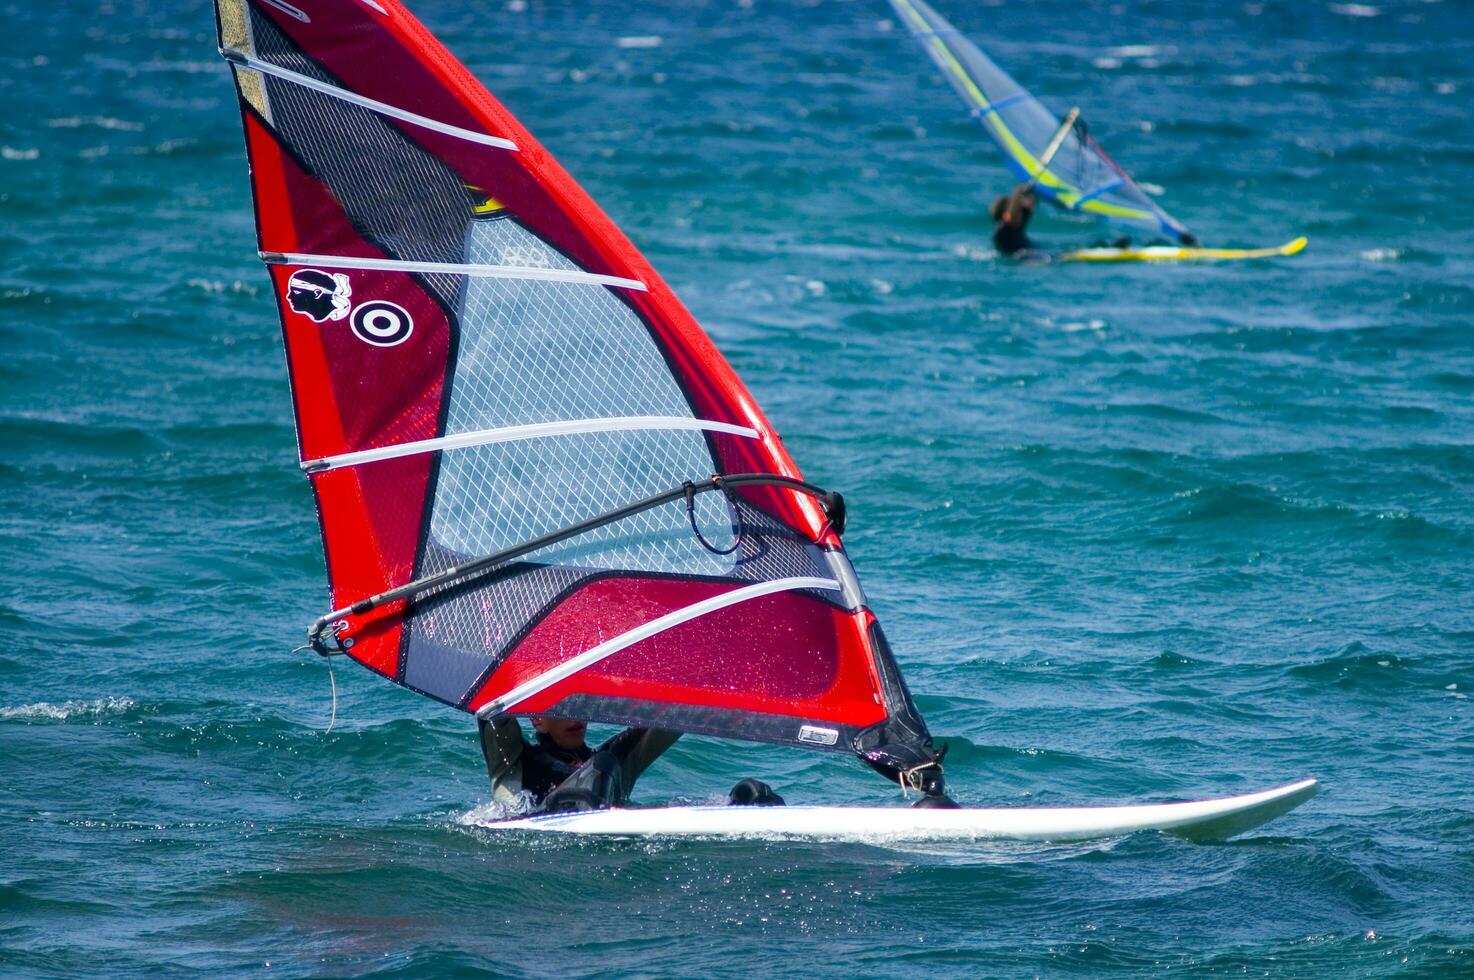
x=29 y=897
x=46 y=432
x=1452 y=380
x=1237 y=502
x=1168 y=660
x=495 y=812
x=1231 y=502
x=1160 y=412
x=100 y=122
x=69 y=710
x=1356 y=10
x=1356 y=666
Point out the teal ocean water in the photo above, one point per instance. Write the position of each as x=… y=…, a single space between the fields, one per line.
x=1137 y=533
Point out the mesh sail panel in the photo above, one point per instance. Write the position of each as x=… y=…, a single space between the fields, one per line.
x=479 y=358
x=1079 y=176
x=534 y=351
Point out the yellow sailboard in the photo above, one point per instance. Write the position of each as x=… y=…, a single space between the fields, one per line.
x=1180 y=253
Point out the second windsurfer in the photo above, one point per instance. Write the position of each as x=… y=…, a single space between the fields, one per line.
x=1011 y=213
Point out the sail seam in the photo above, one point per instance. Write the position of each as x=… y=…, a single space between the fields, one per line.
x=516 y=433
x=629 y=638
x=242 y=60
x=451 y=268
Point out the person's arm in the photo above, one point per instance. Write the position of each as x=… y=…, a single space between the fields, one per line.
x=1021 y=198
x=502 y=744
x=636 y=749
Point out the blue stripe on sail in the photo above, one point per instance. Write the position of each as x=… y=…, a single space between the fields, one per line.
x=1022 y=173
x=1105 y=188
x=982 y=111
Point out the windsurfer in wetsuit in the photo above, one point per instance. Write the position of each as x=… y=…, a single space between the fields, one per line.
x=559 y=770
x=1011 y=213
x=562 y=773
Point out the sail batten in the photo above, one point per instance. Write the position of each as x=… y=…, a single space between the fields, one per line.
x=540 y=430
x=449 y=268
x=243 y=60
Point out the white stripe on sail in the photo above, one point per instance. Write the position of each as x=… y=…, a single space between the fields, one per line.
x=514 y=433
x=243 y=60
x=450 y=268
x=671 y=620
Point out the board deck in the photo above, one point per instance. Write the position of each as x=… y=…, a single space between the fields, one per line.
x=1202 y=820
x=1181 y=253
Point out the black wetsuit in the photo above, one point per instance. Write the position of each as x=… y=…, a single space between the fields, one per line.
x=1011 y=213
x=557 y=778
x=542 y=764
x=1010 y=239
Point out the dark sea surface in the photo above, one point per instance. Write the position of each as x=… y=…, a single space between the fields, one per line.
x=1137 y=533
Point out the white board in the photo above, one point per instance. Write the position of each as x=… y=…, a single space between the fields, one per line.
x=1199 y=820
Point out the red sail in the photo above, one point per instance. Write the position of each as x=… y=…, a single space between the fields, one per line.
x=480 y=358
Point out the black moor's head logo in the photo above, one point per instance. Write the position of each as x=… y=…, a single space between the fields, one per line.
x=322 y=296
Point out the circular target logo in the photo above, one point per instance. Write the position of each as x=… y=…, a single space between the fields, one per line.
x=381 y=323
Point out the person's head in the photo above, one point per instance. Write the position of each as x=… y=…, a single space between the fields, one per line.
x=1014 y=209
x=566 y=733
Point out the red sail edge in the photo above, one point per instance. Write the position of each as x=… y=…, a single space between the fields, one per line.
x=383 y=196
